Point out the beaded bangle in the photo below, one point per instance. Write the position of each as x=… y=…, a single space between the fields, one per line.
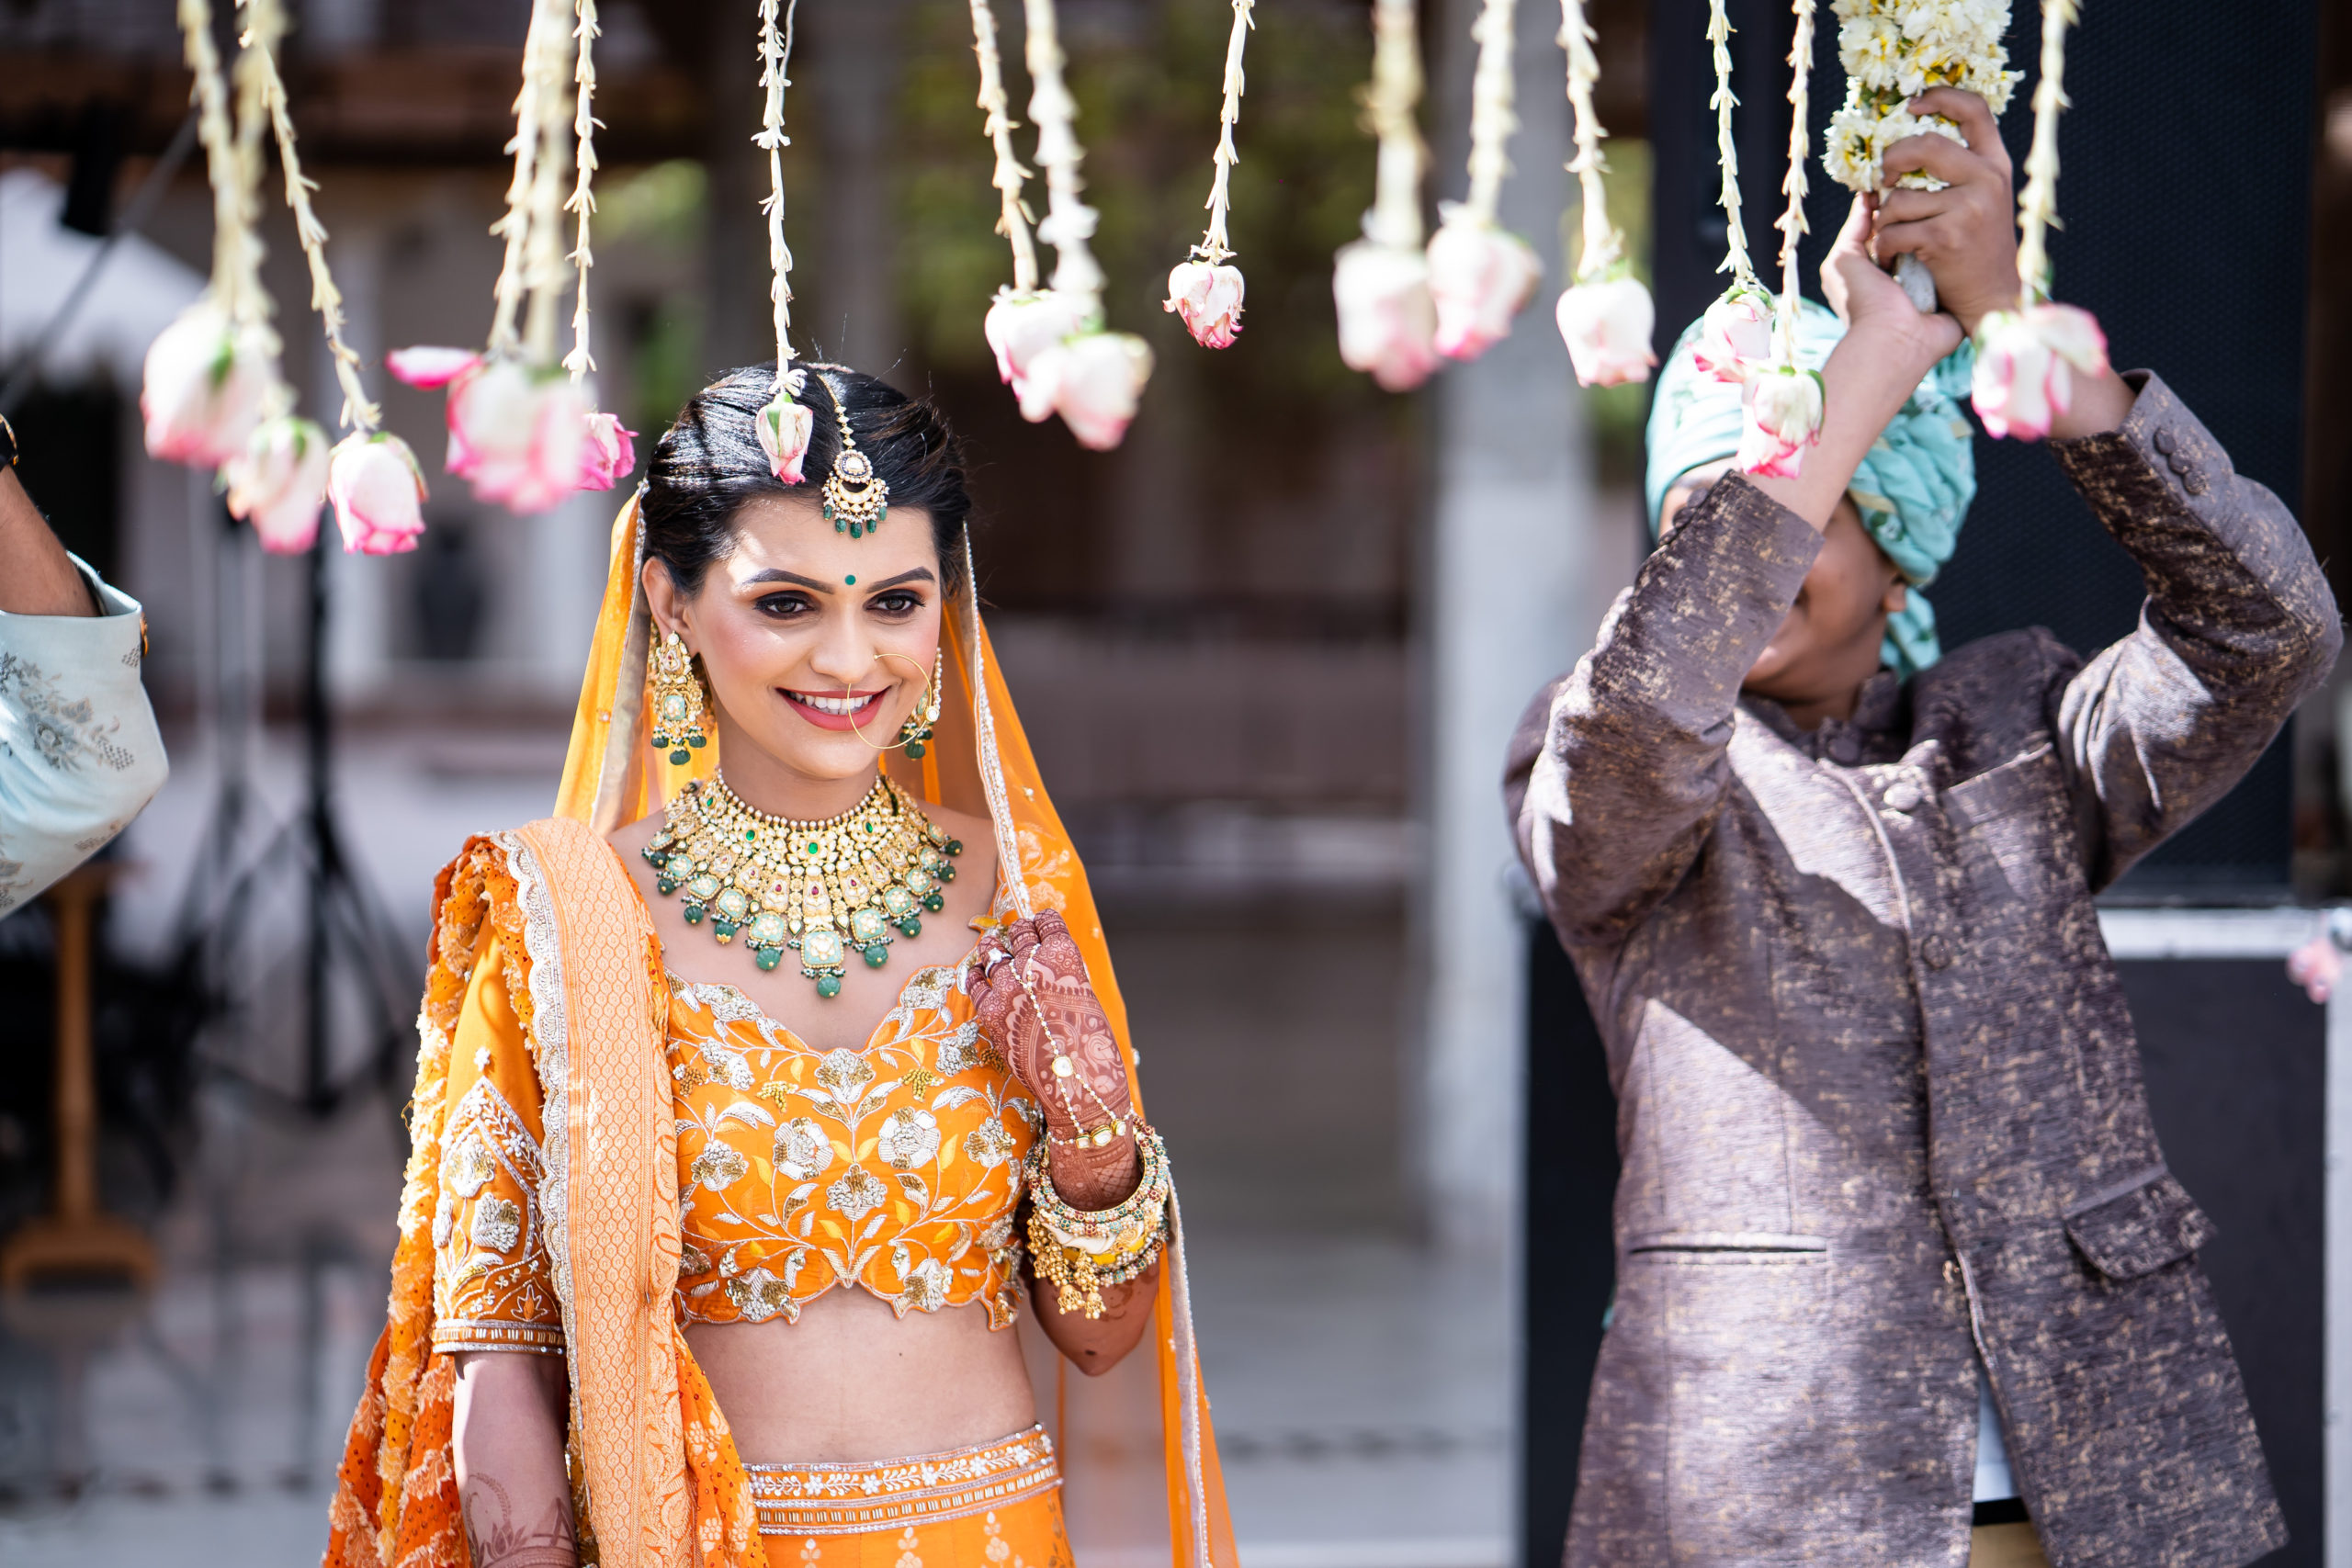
x=1082 y=1250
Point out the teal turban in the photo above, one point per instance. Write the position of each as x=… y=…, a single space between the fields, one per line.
x=1913 y=489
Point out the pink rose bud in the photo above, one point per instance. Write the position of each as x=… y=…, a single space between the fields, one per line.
x=608 y=454
x=1607 y=326
x=1208 y=296
x=1022 y=326
x=1094 y=382
x=2026 y=362
x=279 y=481
x=1736 y=335
x=430 y=368
x=517 y=435
x=203 y=386
x=784 y=428
x=1781 y=420
x=1479 y=277
x=1387 y=323
x=378 y=491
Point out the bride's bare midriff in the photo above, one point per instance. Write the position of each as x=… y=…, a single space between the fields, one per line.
x=851 y=1381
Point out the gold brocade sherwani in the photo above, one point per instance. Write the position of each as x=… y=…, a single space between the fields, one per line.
x=1877 y=1087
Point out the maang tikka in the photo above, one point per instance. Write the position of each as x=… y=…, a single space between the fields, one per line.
x=856 y=498
x=679 y=700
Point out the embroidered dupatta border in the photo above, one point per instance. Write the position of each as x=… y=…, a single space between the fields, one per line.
x=658 y=1471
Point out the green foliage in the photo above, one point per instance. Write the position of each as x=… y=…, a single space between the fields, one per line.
x=1148 y=92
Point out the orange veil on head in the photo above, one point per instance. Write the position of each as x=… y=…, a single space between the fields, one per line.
x=1122 y=1507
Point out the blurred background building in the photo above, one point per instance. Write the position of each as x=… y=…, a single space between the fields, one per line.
x=1267 y=653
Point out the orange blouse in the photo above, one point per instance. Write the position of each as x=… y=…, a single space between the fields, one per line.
x=896 y=1167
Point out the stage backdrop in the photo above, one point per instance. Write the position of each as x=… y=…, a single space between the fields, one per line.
x=2185 y=193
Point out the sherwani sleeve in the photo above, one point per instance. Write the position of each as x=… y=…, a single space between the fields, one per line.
x=2238 y=626
x=1616 y=769
x=80 y=755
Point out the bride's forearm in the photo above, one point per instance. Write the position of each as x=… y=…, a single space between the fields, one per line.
x=506 y=1442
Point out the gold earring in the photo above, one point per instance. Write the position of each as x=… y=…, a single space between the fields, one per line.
x=679 y=700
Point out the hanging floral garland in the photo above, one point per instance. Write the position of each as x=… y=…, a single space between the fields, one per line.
x=1782 y=408
x=213 y=393
x=1380 y=283
x=786 y=424
x=1480 y=273
x=523 y=432
x=1606 y=317
x=2026 y=358
x=1051 y=345
x=1893 y=51
x=1735 y=336
x=1204 y=289
x=210 y=375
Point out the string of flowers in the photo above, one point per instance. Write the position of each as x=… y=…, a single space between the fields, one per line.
x=1735 y=336
x=288 y=469
x=785 y=425
x=1782 y=408
x=1380 y=283
x=1013 y=219
x=1606 y=316
x=1480 y=273
x=2026 y=358
x=523 y=432
x=1051 y=347
x=579 y=361
x=1893 y=51
x=1204 y=289
x=210 y=374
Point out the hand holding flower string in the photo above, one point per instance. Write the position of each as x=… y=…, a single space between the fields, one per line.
x=1963 y=231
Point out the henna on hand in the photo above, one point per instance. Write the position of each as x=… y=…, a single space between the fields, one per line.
x=496 y=1540
x=1056 y=1012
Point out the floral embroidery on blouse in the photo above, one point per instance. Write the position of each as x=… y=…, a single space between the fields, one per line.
x=896 y=1167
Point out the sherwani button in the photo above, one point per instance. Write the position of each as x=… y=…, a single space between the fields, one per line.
x=2165 y=442
x=2179 y=464
x=2193 y=482
x=1902 y=795
x=1935 y=952
x=1845 y=750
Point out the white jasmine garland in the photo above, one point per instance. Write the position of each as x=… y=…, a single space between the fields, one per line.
x=1606 y=316
x=1204 y=289
x=1380 y=283
x=1895 y=50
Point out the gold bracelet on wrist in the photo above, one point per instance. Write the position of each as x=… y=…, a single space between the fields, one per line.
x=1082 y=1250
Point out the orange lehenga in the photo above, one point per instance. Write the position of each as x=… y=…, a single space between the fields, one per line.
x=602 y=1152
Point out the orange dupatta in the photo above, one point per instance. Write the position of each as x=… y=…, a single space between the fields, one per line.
x=656 y=1467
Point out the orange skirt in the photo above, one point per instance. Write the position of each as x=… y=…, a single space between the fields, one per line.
x=993 y=1506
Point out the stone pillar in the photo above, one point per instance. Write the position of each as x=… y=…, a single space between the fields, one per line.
x=360 y=597
x=1520 y=569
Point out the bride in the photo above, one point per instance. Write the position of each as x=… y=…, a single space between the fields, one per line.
x=756 y=1104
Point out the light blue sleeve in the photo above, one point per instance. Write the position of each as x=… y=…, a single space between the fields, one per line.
x=80 y=755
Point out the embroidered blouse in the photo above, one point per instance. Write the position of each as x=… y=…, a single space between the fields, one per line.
x=895 y=1168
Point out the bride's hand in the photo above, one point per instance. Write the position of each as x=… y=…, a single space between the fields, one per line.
x=1060 y=999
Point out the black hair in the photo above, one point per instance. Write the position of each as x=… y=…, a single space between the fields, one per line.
x=709 y=463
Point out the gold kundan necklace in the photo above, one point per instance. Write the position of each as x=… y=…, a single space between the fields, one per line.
x=817 y=887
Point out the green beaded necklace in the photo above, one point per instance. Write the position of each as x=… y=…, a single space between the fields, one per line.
x=818 y=888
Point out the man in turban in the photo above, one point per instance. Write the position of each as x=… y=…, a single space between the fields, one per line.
x=1902 y=1276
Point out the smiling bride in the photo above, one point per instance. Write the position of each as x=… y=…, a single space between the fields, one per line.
x=758 y=1104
